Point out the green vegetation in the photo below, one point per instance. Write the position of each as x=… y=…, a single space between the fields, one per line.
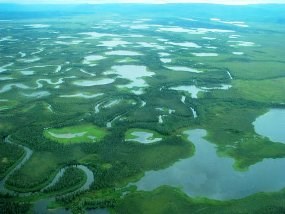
x=67 y=124
x=171 y=200
x=35 y=174
x=128 y=161
x=76 y=134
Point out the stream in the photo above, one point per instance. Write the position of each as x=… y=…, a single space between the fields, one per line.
x=27 y=156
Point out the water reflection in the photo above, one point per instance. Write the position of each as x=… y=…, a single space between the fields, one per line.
x=208 y=175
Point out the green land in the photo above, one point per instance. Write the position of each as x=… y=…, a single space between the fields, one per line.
x=150 y=135
x=77 y=87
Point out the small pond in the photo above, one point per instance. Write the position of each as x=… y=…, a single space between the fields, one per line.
x=143 y=137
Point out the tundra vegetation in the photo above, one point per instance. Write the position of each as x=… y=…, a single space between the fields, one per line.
x=114 y=87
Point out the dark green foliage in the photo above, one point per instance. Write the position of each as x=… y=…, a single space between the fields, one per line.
x=9 y=155
x=9 y=206
x=227 y=115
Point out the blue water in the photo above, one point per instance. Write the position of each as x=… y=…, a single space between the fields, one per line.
x=208 y=175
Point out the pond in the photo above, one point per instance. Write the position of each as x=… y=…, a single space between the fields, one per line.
x=82 y=95
x=93 y=82
x=178 y=29
x=238 y=53
x=191 y=89
x=8 y=87
x=271 y=125
x=150 y=45
x=241 y=43
x=194 y=90
x=112 y=103
x=67 y=135
x=114 y=43
x=89 y=60
x=30 y=60
x=165 y=60
x=222 y=87
x=37 y=26
x=86 y=72
x=49 y=81
x=123 y=53
x=143 y=137
x=133 y=73
x=73 y=42
x=205 y=54
x=183 y=68
x=208 y=175
x=3 y=68
x=27 y=72
x=184 y=44
x=163 y=54
x=38 y=94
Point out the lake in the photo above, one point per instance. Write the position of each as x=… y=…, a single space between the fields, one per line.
x=271 y=125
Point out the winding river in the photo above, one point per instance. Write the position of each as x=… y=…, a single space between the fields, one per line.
x=28 y=153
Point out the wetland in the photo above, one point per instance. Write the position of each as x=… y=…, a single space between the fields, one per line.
x=123 y=108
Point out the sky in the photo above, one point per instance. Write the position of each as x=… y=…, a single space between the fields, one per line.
x=230 y=2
